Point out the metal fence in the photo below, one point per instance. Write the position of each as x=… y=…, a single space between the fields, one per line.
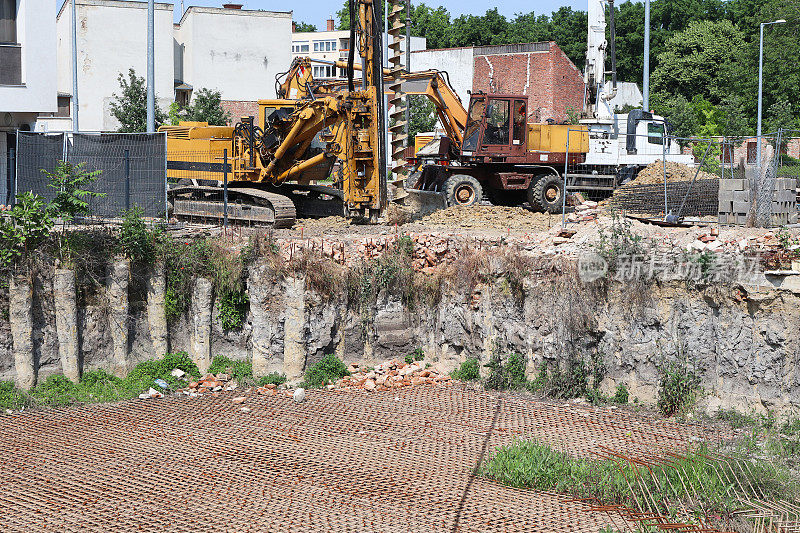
x=132 y=168
x=672 y=177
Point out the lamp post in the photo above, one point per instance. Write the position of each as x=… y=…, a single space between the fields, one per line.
x=760 y=91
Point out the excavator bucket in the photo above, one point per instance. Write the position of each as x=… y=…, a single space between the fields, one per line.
x=413 y=204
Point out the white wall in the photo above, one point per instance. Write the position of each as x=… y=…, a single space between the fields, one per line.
x=457 y=62
x=236 y=52
x=36 y=33
x=112 y=38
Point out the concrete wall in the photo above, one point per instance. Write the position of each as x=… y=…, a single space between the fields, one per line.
x=112 y=38
x=457 y=62
x=36 y=34
x=236 y=52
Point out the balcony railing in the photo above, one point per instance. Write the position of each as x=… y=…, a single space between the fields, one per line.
x=10 y=64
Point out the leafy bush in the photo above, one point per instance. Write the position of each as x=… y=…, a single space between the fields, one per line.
x=469 y=370
x=678 y=389
x=515 y=370
x=272 y=379
x=573 y=382
x=236 y=369
x=11 y=397
x=416 y=355
x=328 y=370
x=621 y=395
x=497 y=378
x=71 y=199
x=619 y=242
x=139 y=243
x=232 y=309
x=26 y=228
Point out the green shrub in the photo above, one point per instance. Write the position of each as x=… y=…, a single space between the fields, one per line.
x=497 y=378
x=232 y=309
x=272 y=379
x=515 y=370
x=11 y=397
x=328 y=370
x=573 y=382
x=416 y=355
x=540 y=382
x=236 y=368
x=136 y=240
x=678 y=389
x=621 y=395
x=469 y=370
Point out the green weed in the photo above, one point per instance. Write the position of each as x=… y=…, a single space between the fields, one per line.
x=237 y=369
x=678 y=389
x=272 y=379
x=469 y=370
x=328 y=370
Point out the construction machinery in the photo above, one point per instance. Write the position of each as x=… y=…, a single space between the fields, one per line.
x=268 y=163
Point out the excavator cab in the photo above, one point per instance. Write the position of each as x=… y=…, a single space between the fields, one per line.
x=496 y=126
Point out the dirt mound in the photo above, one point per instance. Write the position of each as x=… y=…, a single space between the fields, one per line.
x=654 y=173
x=488 y=216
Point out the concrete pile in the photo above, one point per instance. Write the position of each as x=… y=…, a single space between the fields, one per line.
x=389 y=375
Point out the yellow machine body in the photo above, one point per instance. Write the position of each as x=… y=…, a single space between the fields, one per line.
x=553 y=138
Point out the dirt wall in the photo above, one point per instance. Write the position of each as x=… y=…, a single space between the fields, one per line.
x=744 y=343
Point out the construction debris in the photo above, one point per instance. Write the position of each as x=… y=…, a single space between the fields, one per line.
x=389 y=375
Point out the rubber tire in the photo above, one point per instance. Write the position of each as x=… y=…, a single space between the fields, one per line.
x=537 y=197
x=459 y=181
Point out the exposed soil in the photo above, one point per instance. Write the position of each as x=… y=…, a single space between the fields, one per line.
x=654 y=173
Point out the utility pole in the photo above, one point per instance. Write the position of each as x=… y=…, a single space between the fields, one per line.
x=74 y=68
x=151 y=90
x=760 y=90
x=646 y=73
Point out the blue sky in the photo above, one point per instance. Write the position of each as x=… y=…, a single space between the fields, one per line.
x=317 y=11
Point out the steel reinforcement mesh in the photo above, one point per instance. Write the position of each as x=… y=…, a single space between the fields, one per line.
x=700 y=198
x=340 y=461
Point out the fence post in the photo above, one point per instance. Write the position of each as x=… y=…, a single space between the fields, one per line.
x=225 y=188
x=564 y=192
x=12 y=178
x=664 y=161
x=127 y=180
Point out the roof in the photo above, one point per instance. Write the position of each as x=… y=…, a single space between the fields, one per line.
x=125 y=4
x=497 y=49
x=236 y=12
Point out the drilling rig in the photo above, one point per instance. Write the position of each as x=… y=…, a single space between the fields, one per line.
x=273 y=158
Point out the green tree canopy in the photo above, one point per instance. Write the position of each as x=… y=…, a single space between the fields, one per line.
x=130 y=108
x=304 y=26
x=206 y=106
x=696 y=61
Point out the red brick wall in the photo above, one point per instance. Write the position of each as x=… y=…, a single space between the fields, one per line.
x=240 y=108
x=549 y=79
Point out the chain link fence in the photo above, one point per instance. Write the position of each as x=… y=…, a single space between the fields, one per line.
x=132 y=168
x=672 y=177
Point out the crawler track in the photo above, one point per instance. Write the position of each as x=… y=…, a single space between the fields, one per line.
x=340 y=461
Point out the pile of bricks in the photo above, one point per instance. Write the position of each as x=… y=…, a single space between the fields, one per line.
x=210 y=383
x=389 y=375
x=735 y=204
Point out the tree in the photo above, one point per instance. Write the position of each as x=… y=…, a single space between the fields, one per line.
x=207 y=107
x=422 y=115
x=304 y=27
x=27 y=226
x=781 y=116
x=130 y=108
x=695 y=62
x=72 y=199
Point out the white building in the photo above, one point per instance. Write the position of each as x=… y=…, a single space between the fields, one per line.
x=235 y=51
x=333 y=45
x=27 y=73
x=112 y=38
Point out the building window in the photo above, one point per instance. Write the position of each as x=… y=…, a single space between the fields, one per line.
x=8 y=21
x=324 y=46
x=300 y=47
x=324 y=71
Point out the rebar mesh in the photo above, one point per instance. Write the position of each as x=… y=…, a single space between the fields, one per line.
x=340 y=461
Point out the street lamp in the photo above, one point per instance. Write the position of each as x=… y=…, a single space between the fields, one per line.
x=760 y=96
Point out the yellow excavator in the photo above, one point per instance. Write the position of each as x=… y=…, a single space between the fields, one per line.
x=269 y=162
